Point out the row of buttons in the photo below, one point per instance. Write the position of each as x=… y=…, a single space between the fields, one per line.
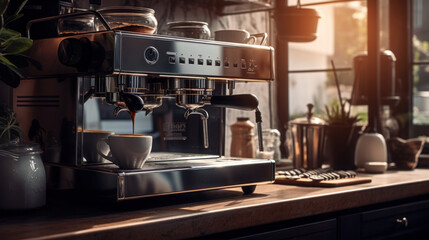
x=200 y=61
x=209 y=62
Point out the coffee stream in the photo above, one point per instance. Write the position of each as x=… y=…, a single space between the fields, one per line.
x=134 y=104
x=133 y=118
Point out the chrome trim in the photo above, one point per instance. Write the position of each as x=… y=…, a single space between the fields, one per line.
x=121 y=186
x=199 y=190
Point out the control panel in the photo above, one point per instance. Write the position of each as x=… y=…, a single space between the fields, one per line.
x=162 y=55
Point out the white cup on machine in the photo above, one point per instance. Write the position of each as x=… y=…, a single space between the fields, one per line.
x=239 y=36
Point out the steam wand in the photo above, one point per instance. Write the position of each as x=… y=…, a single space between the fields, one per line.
x=258 y=118
x=204 y=116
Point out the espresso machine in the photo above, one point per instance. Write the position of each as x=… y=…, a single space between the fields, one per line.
x=179 y=88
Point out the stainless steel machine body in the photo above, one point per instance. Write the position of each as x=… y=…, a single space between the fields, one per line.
x=55 y=103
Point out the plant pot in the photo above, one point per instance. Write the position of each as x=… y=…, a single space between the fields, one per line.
x=296 y=24
x=340 y=143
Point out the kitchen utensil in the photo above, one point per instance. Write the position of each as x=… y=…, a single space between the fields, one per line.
x=189 y=29
x=307 y=141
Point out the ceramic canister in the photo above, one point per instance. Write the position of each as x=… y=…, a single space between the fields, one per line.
x=242 y=143
x=22 y=177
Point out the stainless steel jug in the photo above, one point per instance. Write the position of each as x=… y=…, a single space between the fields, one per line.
x=306 y=137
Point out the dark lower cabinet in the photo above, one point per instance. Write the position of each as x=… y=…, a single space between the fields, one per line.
x=405 y=221
x=317 y=230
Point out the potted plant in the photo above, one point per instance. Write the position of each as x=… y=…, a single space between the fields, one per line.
x=12 y=45
x=22 y=173
x=342 y=133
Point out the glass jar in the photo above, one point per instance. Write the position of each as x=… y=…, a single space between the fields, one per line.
x=134 y=19
x=271 y=140
x=189 y=29
x=22 y=177
x=71 y=25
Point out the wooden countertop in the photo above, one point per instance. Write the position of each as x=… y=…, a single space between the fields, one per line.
x=203 y=213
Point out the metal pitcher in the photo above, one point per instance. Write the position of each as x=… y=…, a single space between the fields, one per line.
x=306 y=137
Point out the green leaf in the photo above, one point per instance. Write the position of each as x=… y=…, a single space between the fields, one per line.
x=16 y=71
x=8 y=34
x=10 y=66
x=18 y=45
x=13 y=18
x=19 y=9
x=3 y=6
x=6 y=61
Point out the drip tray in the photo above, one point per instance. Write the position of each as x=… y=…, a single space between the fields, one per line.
x=162 y=177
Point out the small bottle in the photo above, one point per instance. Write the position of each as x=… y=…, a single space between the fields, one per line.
x=242 y=144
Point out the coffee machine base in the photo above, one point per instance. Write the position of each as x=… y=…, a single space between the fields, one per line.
x=161 y=177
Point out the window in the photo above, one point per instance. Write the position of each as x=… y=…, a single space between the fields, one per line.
x=341 y=35
x=420 y=58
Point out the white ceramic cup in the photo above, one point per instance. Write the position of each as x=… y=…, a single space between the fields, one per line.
x=239 y=36
x=90 y=140
x=128 y=151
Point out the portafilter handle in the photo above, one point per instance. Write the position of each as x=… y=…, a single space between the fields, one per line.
x=247 y=102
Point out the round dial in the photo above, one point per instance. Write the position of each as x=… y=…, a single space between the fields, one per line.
x=151 y=55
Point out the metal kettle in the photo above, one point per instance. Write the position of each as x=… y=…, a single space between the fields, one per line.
x=306 y=137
